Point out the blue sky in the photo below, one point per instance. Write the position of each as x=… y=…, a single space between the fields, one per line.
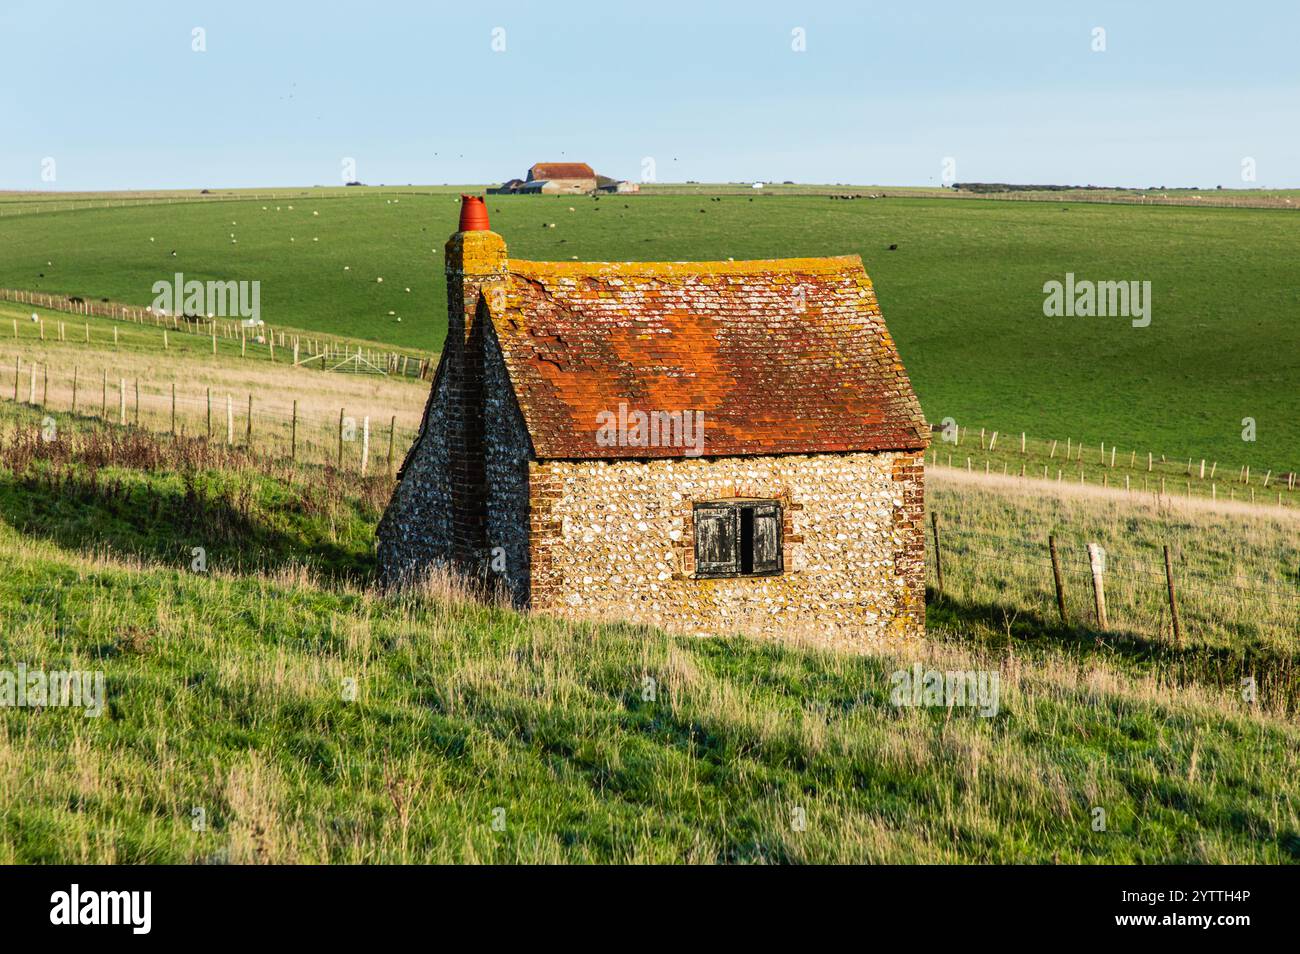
x=414 y=92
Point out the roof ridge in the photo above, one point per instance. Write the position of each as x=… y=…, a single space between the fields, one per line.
x=825 y=265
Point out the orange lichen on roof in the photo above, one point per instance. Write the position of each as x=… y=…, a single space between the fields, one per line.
x=782 y=356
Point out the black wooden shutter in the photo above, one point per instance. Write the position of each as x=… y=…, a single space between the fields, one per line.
x=767 y=538
x=717 y=541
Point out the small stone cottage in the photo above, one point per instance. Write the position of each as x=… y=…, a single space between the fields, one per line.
x=705 y=446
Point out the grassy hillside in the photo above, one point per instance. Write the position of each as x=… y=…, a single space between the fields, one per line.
x=230 y=691
x=962 y=293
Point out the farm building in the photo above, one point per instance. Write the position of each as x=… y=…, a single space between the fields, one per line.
x=552 y=178
x=704 y=446
x=564 y=178
x=619 y=186
x=561 y=177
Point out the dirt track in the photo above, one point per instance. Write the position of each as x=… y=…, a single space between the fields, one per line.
x=1147 y=500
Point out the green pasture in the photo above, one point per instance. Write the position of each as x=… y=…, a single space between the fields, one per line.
x=962 y=292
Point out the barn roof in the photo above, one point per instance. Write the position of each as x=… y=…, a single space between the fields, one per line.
x=561 y=170
x=787 y=356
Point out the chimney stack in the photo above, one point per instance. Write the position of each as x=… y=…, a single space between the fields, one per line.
x=476 y=266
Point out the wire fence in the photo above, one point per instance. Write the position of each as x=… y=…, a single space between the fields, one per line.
x=30 y=205
x=364 y=439
x=322 y=351
x=1104 y=465
x=1165 y=592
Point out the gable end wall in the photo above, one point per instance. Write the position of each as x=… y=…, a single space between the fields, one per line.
x=416 y=530
x=506 y=451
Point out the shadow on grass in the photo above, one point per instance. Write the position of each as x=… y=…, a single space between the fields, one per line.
x=998 y=626
x=161 y=522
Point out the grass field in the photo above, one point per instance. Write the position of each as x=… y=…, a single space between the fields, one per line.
x=132 y=374
x=477 y=734
x=962 y=293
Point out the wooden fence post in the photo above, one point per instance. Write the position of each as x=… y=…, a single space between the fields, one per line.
x=1056 y=577
x=293 y=432
x=365 y=443
x=103 y=397
x=18 y=373
x=230 y=421
x=938 y=560
x=1173 y=602
x=338 y=464
x=1097 y=561
x=209 y=413
x=173 y=409
x=248 y=436
x=121 y=401
x=74 y=390
x=392 y=428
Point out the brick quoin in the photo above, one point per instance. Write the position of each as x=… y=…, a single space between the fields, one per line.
x=475 y=265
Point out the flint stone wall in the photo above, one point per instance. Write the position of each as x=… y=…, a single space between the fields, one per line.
x=506 y=450
x=416 y=530
x=616 y=539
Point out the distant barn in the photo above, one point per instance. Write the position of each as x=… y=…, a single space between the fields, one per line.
x=560 y=177
x=563 y=178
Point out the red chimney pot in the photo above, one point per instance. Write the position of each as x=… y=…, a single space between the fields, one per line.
x=473 y=214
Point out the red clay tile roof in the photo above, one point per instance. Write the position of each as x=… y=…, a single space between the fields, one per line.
x=560 y=170
x=781 y=357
